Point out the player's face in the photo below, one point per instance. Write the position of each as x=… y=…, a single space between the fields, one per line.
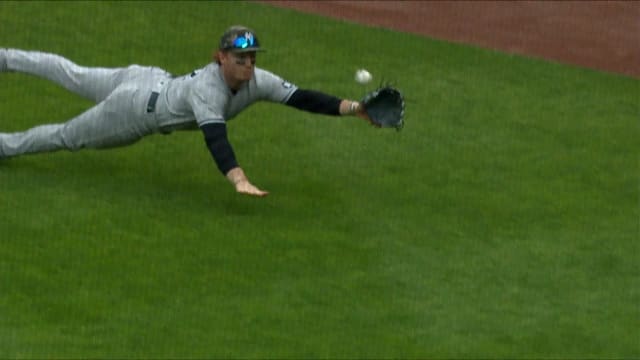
x=239 y=66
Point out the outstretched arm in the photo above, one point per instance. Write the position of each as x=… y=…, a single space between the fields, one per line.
x=321 y=103
x=215 y=136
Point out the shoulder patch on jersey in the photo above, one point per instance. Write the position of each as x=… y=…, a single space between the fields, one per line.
x=286 y=85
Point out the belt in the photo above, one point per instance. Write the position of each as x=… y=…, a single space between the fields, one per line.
x=151 y=105
x=155 y=92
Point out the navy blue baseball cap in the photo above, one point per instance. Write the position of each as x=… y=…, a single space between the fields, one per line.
x=239 y=39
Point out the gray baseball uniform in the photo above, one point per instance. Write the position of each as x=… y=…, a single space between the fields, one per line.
x=132 y=102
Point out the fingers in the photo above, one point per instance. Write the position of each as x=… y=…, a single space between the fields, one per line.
x=256 y=192
x=247 y=188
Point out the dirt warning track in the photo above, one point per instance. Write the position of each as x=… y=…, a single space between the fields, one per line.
x=603 y=35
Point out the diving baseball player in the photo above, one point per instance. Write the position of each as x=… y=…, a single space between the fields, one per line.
x=136 y=101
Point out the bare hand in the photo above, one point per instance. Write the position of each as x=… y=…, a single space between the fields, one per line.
x=237 y=177
x=245 y=187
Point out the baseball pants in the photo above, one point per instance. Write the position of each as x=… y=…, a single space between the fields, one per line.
x=121 y=116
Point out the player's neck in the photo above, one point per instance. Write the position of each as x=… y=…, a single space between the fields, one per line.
x=232 y=79
x=233 y=84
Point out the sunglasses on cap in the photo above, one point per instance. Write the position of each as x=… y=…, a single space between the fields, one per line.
x=243 y=42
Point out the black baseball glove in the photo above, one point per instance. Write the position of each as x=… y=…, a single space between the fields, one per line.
x=385 y=107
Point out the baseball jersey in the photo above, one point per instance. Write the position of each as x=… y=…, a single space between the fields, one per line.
x=202 y=97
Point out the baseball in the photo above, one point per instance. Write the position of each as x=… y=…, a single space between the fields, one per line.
x=363 y=76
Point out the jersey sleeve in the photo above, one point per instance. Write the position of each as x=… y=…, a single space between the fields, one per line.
x=272 y=87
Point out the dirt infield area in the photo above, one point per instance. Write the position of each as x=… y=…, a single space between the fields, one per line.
x=603 y=35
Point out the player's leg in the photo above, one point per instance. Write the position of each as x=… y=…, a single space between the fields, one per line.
x=39 y=139
x=95 y=83
x=122 y=119
x=119 y=120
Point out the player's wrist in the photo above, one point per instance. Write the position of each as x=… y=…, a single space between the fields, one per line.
x=349 y=107
x=354 y=108
x=241 y=182
x=236 y=176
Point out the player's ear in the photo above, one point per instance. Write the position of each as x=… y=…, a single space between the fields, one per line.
x=217 y=56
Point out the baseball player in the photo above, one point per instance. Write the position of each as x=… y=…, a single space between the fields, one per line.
x=136 y=101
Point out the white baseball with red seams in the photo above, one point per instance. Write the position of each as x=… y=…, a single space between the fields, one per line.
x=363 y=76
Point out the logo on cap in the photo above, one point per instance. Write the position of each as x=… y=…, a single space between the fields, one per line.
x=239 y=39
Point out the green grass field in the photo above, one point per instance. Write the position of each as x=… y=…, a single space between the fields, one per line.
x=502 y=222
